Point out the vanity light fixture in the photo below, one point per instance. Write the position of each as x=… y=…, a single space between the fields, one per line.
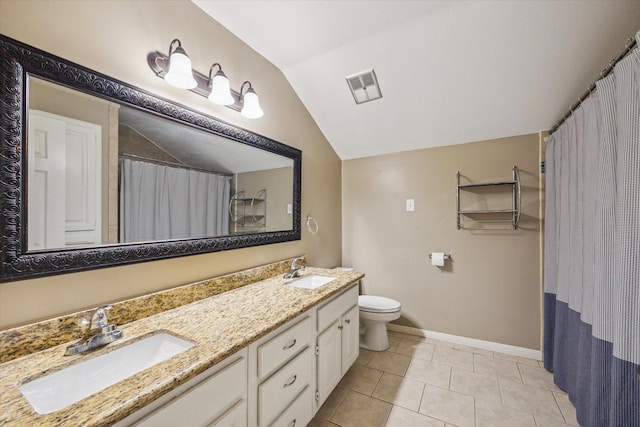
x=176 y=70
x=220 y=90
x=180 y=73
x=250 y=103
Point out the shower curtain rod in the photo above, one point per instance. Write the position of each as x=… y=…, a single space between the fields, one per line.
x=630 y=44
x=166 y=163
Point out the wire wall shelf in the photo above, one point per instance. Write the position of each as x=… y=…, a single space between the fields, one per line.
x=507 y=215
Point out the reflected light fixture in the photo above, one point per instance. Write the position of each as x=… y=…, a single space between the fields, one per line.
x=250 y=103
x=220 y=90
x=176 y=70
x=180 y=73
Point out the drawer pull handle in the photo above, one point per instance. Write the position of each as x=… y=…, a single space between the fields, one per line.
x=293 y=423
x=288 y=346
x=290 y=382
x=347 y=321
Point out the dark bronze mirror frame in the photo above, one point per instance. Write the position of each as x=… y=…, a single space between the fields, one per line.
x=20 y=61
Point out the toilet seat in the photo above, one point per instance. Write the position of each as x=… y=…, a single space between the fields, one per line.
x=376 y=304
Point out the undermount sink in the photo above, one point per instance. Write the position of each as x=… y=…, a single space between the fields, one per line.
x=62 y=388
x=311 y=281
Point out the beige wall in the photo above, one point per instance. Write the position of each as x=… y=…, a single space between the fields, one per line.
x=491 y=290
x=278 y=183
x=114 y=37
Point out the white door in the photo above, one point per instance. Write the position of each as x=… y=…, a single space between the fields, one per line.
x=329 y=366
x=46 y=178
x=64 y=180
x=83 y=183
x=350 y=338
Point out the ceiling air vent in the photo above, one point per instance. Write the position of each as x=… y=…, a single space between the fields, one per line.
x=364 y=86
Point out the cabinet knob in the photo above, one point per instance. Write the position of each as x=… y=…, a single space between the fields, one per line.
x=340 y=327
x=347 y=321
x=290 y=382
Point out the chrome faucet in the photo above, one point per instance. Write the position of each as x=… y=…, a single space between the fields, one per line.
x=98 y=334
x=297 y=266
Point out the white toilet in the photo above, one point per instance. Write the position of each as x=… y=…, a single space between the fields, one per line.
x=375 y=313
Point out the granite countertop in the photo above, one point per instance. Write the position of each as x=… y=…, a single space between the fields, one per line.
x=218 y=326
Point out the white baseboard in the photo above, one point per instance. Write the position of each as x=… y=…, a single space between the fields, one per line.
x=471 y=342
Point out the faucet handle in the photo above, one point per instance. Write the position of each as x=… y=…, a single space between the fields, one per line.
x=299 y=262
x=99 y=317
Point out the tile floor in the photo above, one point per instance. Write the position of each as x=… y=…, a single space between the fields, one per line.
x=428 y=383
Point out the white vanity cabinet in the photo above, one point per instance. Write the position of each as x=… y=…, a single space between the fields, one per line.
x=280 y=380
x=217 y=397
x=337 y=343
x=281 y=375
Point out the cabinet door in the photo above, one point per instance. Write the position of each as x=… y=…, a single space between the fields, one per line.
x=235 y=417
x=329 y=361
x=206 y=401
x=350 y=337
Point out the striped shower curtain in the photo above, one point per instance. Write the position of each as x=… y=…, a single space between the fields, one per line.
x=592 y=252
x=160 y=202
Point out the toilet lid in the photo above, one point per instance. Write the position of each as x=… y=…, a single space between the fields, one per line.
x=377 y=304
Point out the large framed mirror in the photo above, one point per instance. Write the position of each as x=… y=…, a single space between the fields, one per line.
x=97 y=173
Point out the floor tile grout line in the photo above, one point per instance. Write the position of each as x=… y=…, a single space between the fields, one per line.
x=475 y=421
x=535 y=421
x=555 y=399
x=424 y=390
x=520 y=373
x=500 y=391
x=377 y=382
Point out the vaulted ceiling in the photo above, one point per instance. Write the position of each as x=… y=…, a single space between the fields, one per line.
x=450 y=72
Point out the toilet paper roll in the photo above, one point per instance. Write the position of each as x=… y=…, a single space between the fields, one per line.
x=437 y=259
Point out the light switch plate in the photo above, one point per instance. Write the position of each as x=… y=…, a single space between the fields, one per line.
x=410 y=205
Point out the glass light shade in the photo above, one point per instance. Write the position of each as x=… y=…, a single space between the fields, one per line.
x=220 y=90
x=251 y=105
x=180 y=73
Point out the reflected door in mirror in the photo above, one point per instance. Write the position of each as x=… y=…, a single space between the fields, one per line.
x=64 y=182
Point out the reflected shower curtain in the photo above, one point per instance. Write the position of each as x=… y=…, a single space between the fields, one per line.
x=160 y=202
x=592 y=252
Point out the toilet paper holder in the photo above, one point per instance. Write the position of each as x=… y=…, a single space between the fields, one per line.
x=446 y=256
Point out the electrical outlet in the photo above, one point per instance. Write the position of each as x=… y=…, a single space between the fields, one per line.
x=289 y=208
x=410 y=205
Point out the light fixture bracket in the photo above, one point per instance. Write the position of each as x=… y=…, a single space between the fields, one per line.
x=159 y=63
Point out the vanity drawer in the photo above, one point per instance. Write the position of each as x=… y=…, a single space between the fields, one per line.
x=277 y=392
x=283 y=347
x=332 y=310
x=205 y=401
x=300 y=412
